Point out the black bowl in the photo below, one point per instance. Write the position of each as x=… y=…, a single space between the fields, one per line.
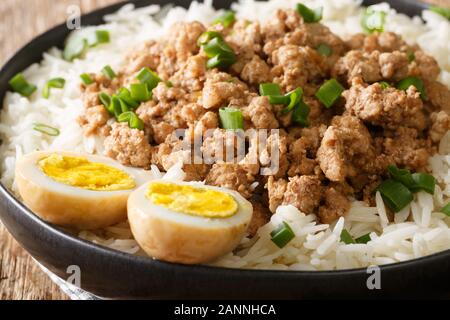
x=113 y=274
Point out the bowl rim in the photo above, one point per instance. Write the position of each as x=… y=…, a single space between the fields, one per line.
x=85 y=245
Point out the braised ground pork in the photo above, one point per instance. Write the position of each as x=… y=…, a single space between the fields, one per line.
x=342 y=151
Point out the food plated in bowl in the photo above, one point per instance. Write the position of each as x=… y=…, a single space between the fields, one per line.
x=355 y=123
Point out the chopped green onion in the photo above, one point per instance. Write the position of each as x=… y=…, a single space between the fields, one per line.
x=395 y=194
x=86 y=78
x=125 y=95
x=330 y=92
x=75 y=48
x=401 y=175
x=133 y=120
x=169 y=84
x=45 y=129
x=446 y=209
x=309 y=15
x=373 y=20
x=57 y=83
x=20 y=85
x=445 y=12
x=280 y=99
x=384 y=84
x=269 y=89
x=222 y=60
x=404 y=84
x=301 y=113
x=423 y=181
x=226 y=19
x=411 y=56
x=109 y=72
x=105 y=99
x=324 y=50
x=346 y=237
x=295 y=97
x=102 y=36
x=115 y=108
x=216 y=46
x=363 y=239
x=150 y=78
x=231 y=118
x=140 y=92
x=207 y=37
x=282 y=235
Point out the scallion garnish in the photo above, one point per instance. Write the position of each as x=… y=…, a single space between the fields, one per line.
x=401 y=175
x=446 y=209
x=75 y=48
x=222 y=61
x=411 y=56
x=423 y=181
x=282 y=235
x=363 y=239
x=231 y=118
x=295 y=97
x=207 y=37
x=445 y=12
x=226 y=19
x=309 y=15
x=20 y=85
x=133 y=120
x=384 y=84
x=86 y=79
x=105 y=99
x=373 y=20
x=57 y=83
x=115 y=108
x=269 y=89
x=324 y=50
x=46 y=129
x=109 y=72
x=404 y=84
x=330 y=92
x=98 y=37
x=125 y=95
x=220 y=54
x=148 y=77
x=395 y=194
x=346 y=237
x=140 y=92
x=301 y=113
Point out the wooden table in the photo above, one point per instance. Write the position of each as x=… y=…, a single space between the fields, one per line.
x=22 y=20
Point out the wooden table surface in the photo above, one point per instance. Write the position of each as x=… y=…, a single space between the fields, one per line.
x=22 y=20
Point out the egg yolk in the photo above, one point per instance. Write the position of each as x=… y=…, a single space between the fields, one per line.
x=82 y=173
x=196 y=201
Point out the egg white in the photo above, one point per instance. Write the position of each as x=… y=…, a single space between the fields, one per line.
x=71 y=206
x=177 y=237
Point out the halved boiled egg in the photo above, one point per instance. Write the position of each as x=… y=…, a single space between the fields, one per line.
x=187 y=222
x=77 y=190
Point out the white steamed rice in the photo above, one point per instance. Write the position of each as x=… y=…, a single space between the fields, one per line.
x=417 y=231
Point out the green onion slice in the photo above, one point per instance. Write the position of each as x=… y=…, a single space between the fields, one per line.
x=445 y=12
x=269 y=89
x=330 y=92
x=295 y=97
x=309 y=15
x=217 y=46
x=403 y=176
x=446 y=209
x=346 y=237
x=363 y=239
x=105 y=99
x=411 y=56
x=20 y=85
x=373 y=20
x=115 y=108
x=57 y=83
x=301 y=113
x=139 y=92
x=324 y=50
x=395 y=194
x=226 y=19
x=207 y=37
x=125 y=95
x=231 y=118
x=75 y=48
x=404 y=84
x=133 y=120
x=423 y=181
x=109 y=72
x=98 y=37
x=45 y=129
x=384 y=85
x=148 y=77
x=222 y=60
x=86 y=79
x=282 y=235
